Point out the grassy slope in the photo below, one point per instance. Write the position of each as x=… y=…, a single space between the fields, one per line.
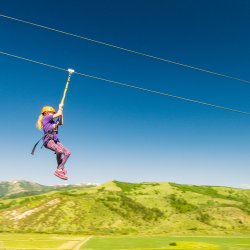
x=129 y=208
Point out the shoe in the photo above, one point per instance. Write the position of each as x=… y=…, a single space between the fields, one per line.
x=63 y=169
x=60 y=174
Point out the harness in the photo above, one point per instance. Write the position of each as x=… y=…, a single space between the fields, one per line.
x=50 y=134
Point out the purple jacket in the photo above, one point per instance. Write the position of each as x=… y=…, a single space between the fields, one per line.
x=48 y=123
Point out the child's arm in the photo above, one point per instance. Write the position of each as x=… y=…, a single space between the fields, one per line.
x=59 y=112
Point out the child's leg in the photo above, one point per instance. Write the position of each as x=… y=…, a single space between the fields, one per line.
x=66 y=153
x=54 y=147
x=57 y=149
x=59 y=158
x=60 y=172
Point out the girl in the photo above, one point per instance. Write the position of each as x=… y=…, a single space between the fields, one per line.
x=50 y=140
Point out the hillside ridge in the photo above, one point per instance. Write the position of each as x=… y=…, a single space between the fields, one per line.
x=127 y=208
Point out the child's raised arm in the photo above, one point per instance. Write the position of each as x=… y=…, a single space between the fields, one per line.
x=59 y=112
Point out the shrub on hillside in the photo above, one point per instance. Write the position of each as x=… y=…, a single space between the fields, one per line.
x=172 y=244
x=127 y=187
x=181 y=205
x=205 y=190
x=204 y=218
x=130 y=209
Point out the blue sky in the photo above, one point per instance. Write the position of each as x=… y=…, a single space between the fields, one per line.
x=118 y=133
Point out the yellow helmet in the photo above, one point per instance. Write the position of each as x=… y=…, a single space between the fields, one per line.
x=47 y=109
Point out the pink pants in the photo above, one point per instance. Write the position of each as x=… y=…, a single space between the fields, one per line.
x=62 y=153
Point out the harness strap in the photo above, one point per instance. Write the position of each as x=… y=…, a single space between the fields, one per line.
x=34 y=148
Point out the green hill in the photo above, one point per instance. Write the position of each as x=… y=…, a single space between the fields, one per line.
x=18 y=187
x=119 y=207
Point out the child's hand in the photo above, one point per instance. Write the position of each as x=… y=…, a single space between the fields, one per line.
x=59 y=112
x=61 y=106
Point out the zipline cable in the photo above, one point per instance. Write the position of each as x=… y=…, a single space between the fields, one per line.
x=125 y=49
x=32 y=61
x=128 y=85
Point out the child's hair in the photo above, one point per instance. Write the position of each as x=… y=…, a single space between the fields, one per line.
x=39 y=124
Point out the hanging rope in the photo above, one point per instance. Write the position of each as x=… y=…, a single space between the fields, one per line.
x=128 y=85
x=71 y=71
x=125 y=49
